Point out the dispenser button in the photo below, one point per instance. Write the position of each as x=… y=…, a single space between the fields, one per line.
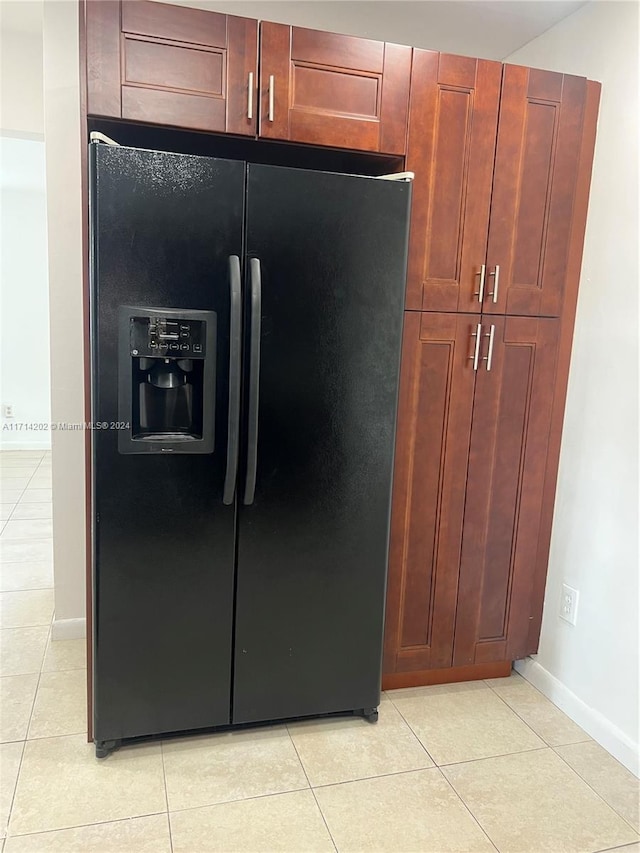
x=184 y=346
x=174 y=346
x=197 y=347
x=164 y=346
x=184 y=335
x=184 y=328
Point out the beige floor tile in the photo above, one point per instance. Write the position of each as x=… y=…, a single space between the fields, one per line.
x=22 y=576
x=136 y=835
x=62 y=784
x=27 y=608
x=538 y=712
x=65 y=654
x=22 y=649
x=39 y=528
x=10 y=496
x=27 y=511
x=26 y=551
x=408 y=812
x=534 y=802
x=202 y=771
x=464 y=724
x=346 y=748
x=615 y=784
x=282 y=823
x=17 y=693
x=31 y=496
x=61 y=704
x=10 y=756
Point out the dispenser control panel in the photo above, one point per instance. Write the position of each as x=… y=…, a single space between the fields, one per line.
x=153 y=337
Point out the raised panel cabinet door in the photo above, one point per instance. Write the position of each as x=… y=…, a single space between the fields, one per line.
x=172 y=65
x=534 y=189
x=432 y=445
x=335 y=90
x=453 y=118
x=505 y=491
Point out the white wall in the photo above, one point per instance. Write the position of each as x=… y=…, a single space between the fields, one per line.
x=21 y=105
x=592 y=668
x=24 y=293
x=64 y=204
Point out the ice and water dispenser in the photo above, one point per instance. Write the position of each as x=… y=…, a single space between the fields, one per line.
x=166 y=380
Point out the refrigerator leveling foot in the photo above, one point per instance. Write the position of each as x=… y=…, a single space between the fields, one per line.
x=104 y=747
x=370 y=714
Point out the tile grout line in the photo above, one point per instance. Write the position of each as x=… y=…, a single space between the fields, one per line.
x=543 y=739
x=474 y=818
x=313 y=793
x=26 y=737
x=408 y=725
x=588 y=784
x=82 y=825
x=166 y=796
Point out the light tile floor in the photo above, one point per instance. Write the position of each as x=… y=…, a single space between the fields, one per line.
x=482 y=766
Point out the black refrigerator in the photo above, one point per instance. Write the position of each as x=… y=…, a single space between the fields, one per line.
x=246 y=333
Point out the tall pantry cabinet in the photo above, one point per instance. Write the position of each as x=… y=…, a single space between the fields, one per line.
x=502 y=164
x=502 y=160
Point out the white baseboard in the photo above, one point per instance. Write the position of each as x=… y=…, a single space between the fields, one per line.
x=69 y=629
x=25 y=445
x=602 y=730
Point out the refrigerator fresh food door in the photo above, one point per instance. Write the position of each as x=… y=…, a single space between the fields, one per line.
x=166 y=238
x=325 y=279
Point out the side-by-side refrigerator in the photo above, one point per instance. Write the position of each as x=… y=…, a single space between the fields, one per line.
x=246 y=330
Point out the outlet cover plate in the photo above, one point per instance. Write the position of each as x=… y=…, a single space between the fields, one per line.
x=569 y=604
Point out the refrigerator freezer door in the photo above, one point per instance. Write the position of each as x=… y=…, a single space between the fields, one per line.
x=313 y=540
x=163 y=229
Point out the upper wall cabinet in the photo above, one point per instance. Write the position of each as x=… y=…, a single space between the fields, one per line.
x=171 y=65
x=334 y=90
x=495 y=151
x=452 y=136
x=534 y=186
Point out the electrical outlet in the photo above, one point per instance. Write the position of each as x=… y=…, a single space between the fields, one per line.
x=569 y=604
x=7 y=410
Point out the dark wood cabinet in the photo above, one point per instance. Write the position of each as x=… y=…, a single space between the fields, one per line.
x=432 y=446
x=495 y=150
x=453 y=121
x=172 y=65
x=503 y=157
x=327 y=89
x=471 y=457
x=534 y=188
x=505 y=486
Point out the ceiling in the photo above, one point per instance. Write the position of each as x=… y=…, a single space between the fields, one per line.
x=488 y=28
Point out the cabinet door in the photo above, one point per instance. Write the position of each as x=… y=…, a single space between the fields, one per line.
x=432 y=446
x=535 y=181
x=507 y=464
x=335 y=90
x=453 y=118
x=172 y=65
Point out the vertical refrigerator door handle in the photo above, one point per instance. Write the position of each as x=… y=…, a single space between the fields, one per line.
x=254 y=380
x=235 y=334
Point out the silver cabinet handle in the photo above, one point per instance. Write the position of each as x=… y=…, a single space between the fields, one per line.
x=496 y=282
x=489 y=356
x=476 y=350
x=272 y=86
x=480 y=291
x=250 y=96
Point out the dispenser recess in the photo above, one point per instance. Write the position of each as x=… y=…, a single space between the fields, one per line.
x=166 y=380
